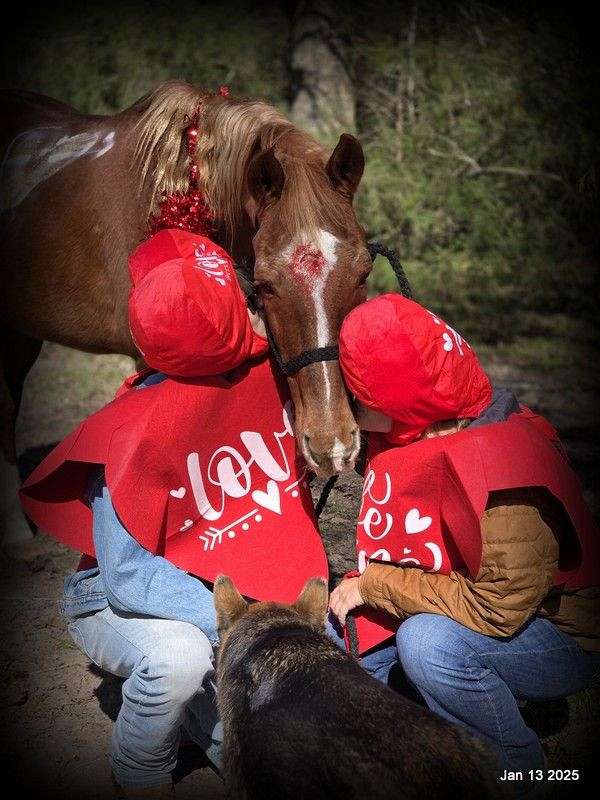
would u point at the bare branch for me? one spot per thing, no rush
(474, 168)
(524, 173)
(479, 35)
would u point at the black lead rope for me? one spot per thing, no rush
(324, 496)
(352, 635)
(376, 248)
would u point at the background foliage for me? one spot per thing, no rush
(478, 122)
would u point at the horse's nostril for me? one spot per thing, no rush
(306, 448)
(354, 449)
(315, 458)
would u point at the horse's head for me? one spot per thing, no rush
(277, 195)
(310, 269)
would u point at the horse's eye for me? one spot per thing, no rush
(263, 289)
(362, 281)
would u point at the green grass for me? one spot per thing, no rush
(559, 347)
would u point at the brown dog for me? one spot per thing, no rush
(303, 721)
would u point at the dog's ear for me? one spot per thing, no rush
(229, 603)
(313, 601)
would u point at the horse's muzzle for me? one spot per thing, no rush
(334, 460)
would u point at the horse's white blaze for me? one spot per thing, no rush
(326, 382)
(312, 270)
(327, 245)
(37, 154)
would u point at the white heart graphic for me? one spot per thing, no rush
(187, 524)
(415, 523)
(178, 493)
(270, 499)
(448, 344)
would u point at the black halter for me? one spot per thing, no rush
(294, 365)
(331, 352)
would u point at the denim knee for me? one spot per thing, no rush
(180, 664)
(428, 644)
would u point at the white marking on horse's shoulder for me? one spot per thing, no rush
(35, 155)
(106, 144)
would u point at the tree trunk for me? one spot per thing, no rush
(399, 110)
(410, 78)
(322, 94)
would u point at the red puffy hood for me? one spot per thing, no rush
(405, 361)
(187, 313)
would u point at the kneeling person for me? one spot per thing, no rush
(473, 535)
(178, 479)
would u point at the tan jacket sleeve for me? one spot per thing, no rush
(519, 558)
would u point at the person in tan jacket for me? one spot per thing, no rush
(473, 537)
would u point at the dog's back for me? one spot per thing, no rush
(303, 721)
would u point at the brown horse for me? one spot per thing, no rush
(76, 196)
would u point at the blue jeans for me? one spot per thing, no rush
(169, 683)
(378, 662)
(477, 681)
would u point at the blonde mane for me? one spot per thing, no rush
(230, 133)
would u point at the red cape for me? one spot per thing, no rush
(422, 504)
(202, 471)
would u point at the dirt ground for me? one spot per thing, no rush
(58, 711)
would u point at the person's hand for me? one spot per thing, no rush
(258, 324)
(344, 598)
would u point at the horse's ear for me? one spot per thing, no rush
(229, 603)
(265, 177)
(346, 164)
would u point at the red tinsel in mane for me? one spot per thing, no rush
(188, 211)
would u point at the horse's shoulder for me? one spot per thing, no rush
(21, 110)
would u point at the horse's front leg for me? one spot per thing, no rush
(18, 353)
